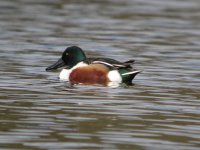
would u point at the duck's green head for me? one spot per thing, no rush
(70, 57)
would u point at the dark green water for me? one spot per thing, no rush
(160, 112)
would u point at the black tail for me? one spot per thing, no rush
(129, 76)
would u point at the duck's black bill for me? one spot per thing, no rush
(60, 63)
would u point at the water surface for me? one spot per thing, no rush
(160, 111)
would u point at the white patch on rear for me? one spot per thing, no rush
(114, 76)
(65, 73)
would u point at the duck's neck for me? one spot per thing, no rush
(76, 59)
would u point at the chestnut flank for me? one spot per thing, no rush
(92, 74)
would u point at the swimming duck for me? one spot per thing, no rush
(79, 69)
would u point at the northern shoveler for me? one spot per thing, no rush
(79, 69)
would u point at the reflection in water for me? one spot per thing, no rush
(161, 110)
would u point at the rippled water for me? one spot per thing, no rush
(161, 110)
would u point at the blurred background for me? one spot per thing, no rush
(160, 111)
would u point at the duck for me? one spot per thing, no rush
(78, 69)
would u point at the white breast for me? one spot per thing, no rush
(64, 74)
